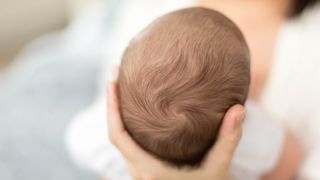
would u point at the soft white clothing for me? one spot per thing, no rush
(292, 94)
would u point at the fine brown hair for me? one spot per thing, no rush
(177, 79)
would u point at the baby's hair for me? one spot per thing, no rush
(177, 79)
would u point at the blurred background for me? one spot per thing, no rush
(52, 68)
(22, 21)
(44, 82)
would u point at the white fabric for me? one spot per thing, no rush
(87, 140)
(292, 94)
(257, 153)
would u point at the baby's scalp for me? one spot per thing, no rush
(177, 80)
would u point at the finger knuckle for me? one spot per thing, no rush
(235, 137)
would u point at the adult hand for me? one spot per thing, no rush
(142, 165)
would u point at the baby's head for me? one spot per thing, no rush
(177, 79)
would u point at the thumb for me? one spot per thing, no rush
(229, 136)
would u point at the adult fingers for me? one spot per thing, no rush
(116, 70)
(115, 126)
(134, 174)
(228, 138)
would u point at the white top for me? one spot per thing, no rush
(292, 94)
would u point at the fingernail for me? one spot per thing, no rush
(241, 117)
